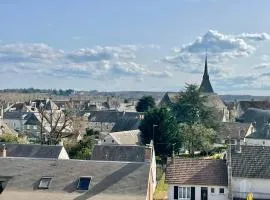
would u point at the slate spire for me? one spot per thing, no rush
(206, 86)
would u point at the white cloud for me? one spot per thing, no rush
(220, 48)
(262, 66)
(254, 36)
(97, 62)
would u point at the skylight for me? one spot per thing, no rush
(84, 183)
(44, 182)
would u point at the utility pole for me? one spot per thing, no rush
(229, 167)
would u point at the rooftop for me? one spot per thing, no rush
(197, 172)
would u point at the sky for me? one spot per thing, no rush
(135, 45)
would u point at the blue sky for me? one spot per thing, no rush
(135, 45)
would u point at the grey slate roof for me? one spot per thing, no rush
(206, 86)
(32, 150)
(111, 116)
(115, 179)
(245, 105)
(233, 129)
(16, 115)
(131, 153)
(197, 172)
(262, 133)
(126, 124)
(252, 162)
(256, 115)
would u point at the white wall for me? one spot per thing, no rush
(15, 123)
(63, 154)
(211, 196)
(259, 187)
(257, 142)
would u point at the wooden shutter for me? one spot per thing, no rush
(175, 192)
(192, 193)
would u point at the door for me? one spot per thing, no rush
(204, 193)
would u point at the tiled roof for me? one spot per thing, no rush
(32, 150)
(108, 178)
(131, 153)
(233, 129)
(252, 162)
(197, 172)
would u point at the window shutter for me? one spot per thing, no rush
(175, 192)
(192, 193)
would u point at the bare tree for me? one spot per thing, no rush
(55, 125)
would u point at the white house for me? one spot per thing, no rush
(197, 179)
(251, 171)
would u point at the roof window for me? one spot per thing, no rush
(84, 183)
(45, 182)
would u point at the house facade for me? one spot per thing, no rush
(197, 179)
(250, 171)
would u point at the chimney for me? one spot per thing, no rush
(172, 158)
(3, 151)
(147, 153)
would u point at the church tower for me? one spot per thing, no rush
(206, 86)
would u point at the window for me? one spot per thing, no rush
(212, 190)
(1, 186)
(184, 193)
(221, 190)
(44, 182)
(84, 183)
(112, 141)
(35, 127)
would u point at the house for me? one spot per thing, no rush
(104, 121)
(35, 151)
(250, 171)
(129, 153)
(123, 138)
(16, 119)
(212, 99)
(197, 179)
(259, 137)
(234, 130)
(47, 179)
(256, 116)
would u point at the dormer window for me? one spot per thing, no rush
(44, 182)
(84, 183)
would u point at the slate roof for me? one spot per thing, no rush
(206, 86)
(256, 115)
(16, 115)
(252, 162)
(245, 105)
(233, 129)
(32, 150)
(18, 106)
(111, 116)
(127, 137)
(126, 124)
(197, 172)
(131, 153)
(120, 180)
(262, 133)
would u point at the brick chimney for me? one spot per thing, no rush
(3, 151)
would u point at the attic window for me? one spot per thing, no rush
(84, 183)
(44, 182)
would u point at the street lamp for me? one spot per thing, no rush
(154, 125)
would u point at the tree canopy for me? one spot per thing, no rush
(160, 125)
(145, 103)
(191, 108)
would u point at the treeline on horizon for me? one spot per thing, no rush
(59, 92)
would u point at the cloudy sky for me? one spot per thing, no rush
(135, 45)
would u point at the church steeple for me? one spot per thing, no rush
(206, 86)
